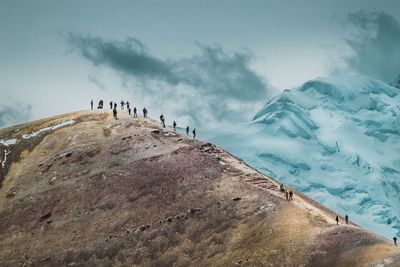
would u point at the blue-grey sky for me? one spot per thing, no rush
(199, 62)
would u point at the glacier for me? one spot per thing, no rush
(336, 139)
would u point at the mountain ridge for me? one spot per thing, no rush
(124, 192)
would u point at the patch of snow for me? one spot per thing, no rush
(3, 163)
(170, 134)
(47, 129)
(274, 252)
(388, 261)
(8, 142)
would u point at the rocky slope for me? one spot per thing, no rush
(85, 189)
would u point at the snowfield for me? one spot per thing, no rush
(8, 142)
(335, 139)
(47, 129)
(4, 161)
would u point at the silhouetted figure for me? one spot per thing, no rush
(122, 104)
(347, 219)
(287, 194)
(111, 105)
(115, 113)
(134, 112)
(395, 240)
(127, 104)
(144, 112)
(162, 119)
(91, 105)
(290, 195)
(174, 125)
(281, 188)
(129, 111)
(187, 130)
(100, 106)
(194, 133)
(115, 105)
(337, 220)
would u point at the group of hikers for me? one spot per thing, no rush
(162, 120)
(288, 193)
(289, 197)
(114, 106)
(346, 218)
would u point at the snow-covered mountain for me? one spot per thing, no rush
(335, 139)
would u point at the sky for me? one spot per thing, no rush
(203, 63)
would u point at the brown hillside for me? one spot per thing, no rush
(105, 192)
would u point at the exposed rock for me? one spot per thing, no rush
(45, 216)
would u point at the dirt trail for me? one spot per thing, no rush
(272, 186)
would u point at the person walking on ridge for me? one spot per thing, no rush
(111, 105)
(174, 125)
(347, 219)
(162, 119)
(395, 240)
(134, 112)
(337, 220)
(194, 133)
(127, 104)
(91, 105)
(122, 104)
(144, 112)
(290, 195)
(129, 111)
(115, 105)
(187, 130)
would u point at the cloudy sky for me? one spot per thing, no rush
(206, 63)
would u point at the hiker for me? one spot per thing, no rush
(187, 130)
(174, 125)
(287, 195)
(347, 219)
(115, 105)
(134, 112)
(395, 240)
(91, 105)
(100, 106)
(281, 188)
(111, 105)
(194, 133)
(162, 119)
(144, 112)
(115, 113)
(129, 111)
(122, 104)
(127, 105)
(291, 195)
(337, 220)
